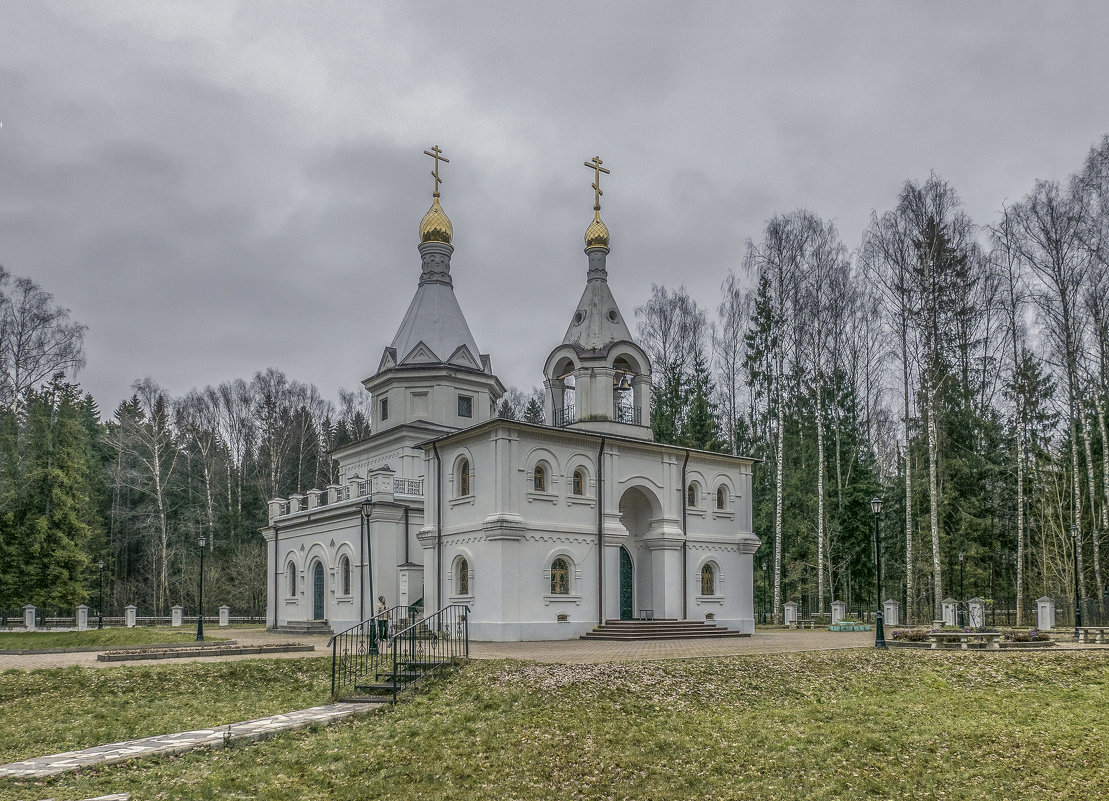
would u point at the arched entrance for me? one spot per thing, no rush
(627, 578)
(317, 592)
(640, 513)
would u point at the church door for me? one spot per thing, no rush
(317, 592)
(625, 584)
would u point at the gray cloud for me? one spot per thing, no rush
(219, 187)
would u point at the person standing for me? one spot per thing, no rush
(382, 618)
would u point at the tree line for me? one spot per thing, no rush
(954, 369)
(134, 491)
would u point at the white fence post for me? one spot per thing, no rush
(177, 614)
(130, 615)
(225, 615)
(1045, 613)
(977, 616)
(892, 612)
(82, 618)
(949, 606)
(29, 617)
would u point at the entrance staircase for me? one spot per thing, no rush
(376, 660)
(659, 630)
(306, 627)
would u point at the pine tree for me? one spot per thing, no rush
(701, 427)
(533, 412)
(505, 410)
(668, 405)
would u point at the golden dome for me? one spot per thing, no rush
(596, 235)
(436, 226)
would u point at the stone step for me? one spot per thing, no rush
(369, 698)
(306, 627)
(405, 675)
(376, 688)
(659, 630)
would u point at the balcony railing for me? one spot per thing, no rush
(627, 414)
(408, 486)
(565, 416)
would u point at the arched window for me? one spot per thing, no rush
(708, 581)
(721, 497)
(579, 482)
(462, 573)
(560, 577)
(540, 478)
(691, 495)
(291, 572)
(344, 573)
(464, 477)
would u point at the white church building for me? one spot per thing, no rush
(542, 531)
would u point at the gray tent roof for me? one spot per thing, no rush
(434, 330)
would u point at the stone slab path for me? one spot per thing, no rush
(215, 737)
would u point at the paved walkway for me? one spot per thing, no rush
(764, 641)
(242, 636)
(183, 741)
(587, 651)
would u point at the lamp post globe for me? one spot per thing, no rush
(201, 541)
(100, 602)
(1077, 601)
(879, 630)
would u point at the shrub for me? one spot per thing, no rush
(910, 635)
(1026, 636)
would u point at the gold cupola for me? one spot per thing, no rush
(596, 235)
(436, 225)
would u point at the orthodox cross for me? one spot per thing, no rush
(595, 165)
(436, 154)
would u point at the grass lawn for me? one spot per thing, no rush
(61, 709)
(819, 725)
(112, 637)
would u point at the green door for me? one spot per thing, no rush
(317, 592)
(625, 584)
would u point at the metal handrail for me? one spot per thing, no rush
(355, 651)
(429, 645)
(402, 656)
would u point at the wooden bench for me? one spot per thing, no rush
(990, 639)
(1094, 634)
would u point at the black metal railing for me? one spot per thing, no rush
(565, 416)
(430, 645)
(372, 659)
(358, 652)
(626, 414)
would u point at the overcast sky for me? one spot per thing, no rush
(215, 188)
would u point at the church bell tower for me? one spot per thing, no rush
(598, 379)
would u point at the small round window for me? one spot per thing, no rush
(579, 317)
(613, 316)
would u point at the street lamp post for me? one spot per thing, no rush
(879, 632)
(100, 603)
(201, 541)
(367, 510)
(1077, 602)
